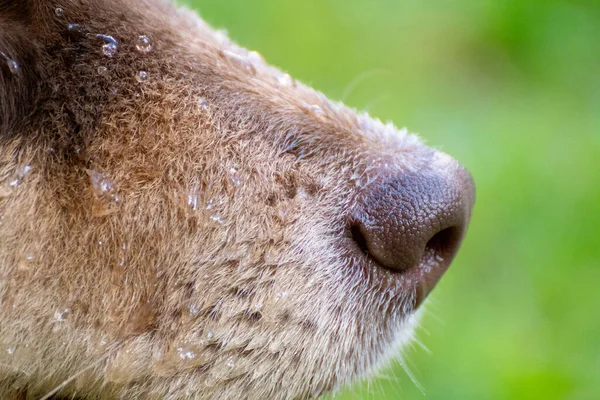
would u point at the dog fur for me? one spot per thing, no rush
(171, 209)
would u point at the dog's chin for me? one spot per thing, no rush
(397, 341)
(405, 335)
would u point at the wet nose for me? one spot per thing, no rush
(416, 218)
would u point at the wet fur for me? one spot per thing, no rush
(179, 237)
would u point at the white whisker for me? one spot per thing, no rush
(359, 79)
(422, 346)
(15, 369)
(62, 385)
(412, 377)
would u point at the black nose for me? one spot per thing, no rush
(416, 218)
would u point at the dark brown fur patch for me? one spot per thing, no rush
(19, 77)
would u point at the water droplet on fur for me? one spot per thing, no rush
(110, 47)
(26, 260)
(316, 110)
(143, 44)
(74, 28)
(186, 353)
(230, 363)
(123, 256)
(24, 170)
(218, 219)
(280, 295)
(286, 80)
(102, 70)
(193, 196)
(30, 256)
(214, 202)
(100, 242)
(158, 355)
(193, 201)
(141, 76)
(235, 176)
(59, 12)
(10, 351)
(61, 314)
(283, 210)
(210, 335)
(20, 175)
(255, 58)
(203, 103)
(302, 194)
(193, 309)
(222, 36)
(105, 191)
(244, 62)
(101, 184)
(13, 66)
(355, 177)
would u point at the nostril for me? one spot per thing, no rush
(444, 243)
(359, 238)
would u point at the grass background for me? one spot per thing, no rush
(511, 88)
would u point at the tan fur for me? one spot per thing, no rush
(178, 237)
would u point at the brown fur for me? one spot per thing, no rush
(178, 237)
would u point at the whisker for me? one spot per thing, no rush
(15, 369)
(412, 377)
(422, 346)
(62, 385)
(359, 79)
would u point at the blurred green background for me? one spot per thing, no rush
(511, 88)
